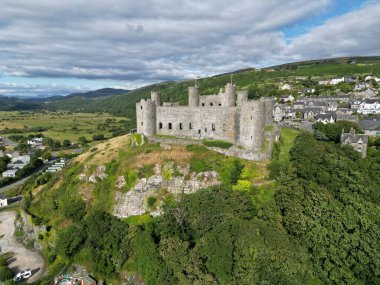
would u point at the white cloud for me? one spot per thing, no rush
(141, 42)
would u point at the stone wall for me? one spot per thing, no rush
(210, 100)
(251, 125)
(198, 122)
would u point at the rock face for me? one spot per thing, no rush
(98, 174)
(134, 201)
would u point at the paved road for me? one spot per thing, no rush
(23, 258)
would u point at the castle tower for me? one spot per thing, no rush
(252, 120)
(242, 96)
(269, 102)
(156, 97)
(229, 96)
(193, 93)
(146, 116)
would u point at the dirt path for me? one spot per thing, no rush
(23, 258)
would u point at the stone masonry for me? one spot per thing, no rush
(228, 116)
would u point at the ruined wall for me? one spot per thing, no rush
(242, 96)
(229, 95)
(156, 97)
(198, 122)
(146, 117)
(210, 100)
(251, 124)
(269, 102)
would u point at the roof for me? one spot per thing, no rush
(325, 116)
(353, 138)
(370, 125)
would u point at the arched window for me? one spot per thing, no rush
(141, 107)
(170, 126)
(180, 126)
(213, 127)
(190, 126)
(211, 104)
(160, 126)
(203, 104)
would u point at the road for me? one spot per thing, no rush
(23, 258)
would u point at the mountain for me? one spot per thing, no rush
(104, 92)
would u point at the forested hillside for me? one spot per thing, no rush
(317, 224)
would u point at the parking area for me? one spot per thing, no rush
(23, 258)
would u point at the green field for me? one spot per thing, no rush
(60, 125)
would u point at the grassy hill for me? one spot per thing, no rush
(259, 82)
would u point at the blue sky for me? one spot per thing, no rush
(57, 47)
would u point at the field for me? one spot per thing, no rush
(60, 125)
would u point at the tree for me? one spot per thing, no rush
(66, 143)
(98, 137)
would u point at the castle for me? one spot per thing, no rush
(227, 116)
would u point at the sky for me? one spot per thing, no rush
(52, 48)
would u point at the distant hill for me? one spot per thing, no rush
(122, 102)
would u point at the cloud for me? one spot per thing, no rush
(141, 42)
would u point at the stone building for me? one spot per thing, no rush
(228, 116)
(357, 141)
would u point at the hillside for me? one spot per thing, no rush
(116, 209)
(262, 82)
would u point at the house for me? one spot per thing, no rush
(286, 87)
(299, 105)
(357, 141)
(19, 162)
(13, 154)
(336, 80)
(346, 117)
(10, 173)
(361, 86)
(326, 118)
(35, 142)
(371, 127)
(369, 106)
(368, 93)
(3, 201)
(286, 98)
(309, 113)
(350, 79)
(324, 82)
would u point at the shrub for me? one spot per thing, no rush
(218, 143)
(151, 201)
(5, 273)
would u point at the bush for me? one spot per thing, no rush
(217, 143)
(5, 273)
(151, 201)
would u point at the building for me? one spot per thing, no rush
(369, 106)
(324, 82)
(3, 201)
(286, 87)
(286, 98)
(346, 117)
(227, 116)
(11, 173)
(336, 80)
(326, 118)
(370, 126)
(35, 142)
(357, 141)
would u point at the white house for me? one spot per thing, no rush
(324, 82)
(286, 87)
(325, 118)
(10, 173)
(369, 106)
(336, 80)
(35, 142)
(3, 201)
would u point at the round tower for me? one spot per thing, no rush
(156, 97)
(229, 98)
(242, 96)
(146, 117)
(258, 118)
(193, 92)
(269, 102)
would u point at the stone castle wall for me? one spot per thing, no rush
(198, 122)
(227, 116)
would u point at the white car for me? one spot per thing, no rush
(22, 275)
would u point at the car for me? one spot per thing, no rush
(22, 275)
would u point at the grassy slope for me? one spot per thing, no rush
(177, 91)
(60, 124)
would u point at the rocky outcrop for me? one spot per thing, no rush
(134, 201)
(98, 174)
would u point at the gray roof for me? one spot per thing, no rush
(325, 116)
(353, 137)
(370, 125)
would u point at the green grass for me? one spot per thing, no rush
(138, 220)
(60, 125)
(217, 143)
(287, 139)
